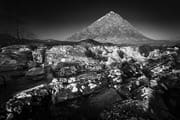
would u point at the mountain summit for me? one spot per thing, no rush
(111, 28)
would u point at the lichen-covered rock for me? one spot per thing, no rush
(65, 53)
(73, 87)
(66, 69)
(143, 106)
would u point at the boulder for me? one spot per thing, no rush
(35, 73)
(66, 69)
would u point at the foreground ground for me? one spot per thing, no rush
(89, 81)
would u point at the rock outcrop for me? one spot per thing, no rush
(99, 82)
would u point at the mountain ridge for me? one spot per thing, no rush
(110, 28)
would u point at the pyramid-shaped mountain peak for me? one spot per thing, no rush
(111, 28)
(112, 14)
(111, 17)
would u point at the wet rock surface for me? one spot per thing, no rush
(94, 82)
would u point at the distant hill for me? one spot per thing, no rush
(6, 39)
(111, 28)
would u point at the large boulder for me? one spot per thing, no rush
(7, 63)
(15, 57)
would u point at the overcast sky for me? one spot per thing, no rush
(59, 19)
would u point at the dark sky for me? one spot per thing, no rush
(58, 19)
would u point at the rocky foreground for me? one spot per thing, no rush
(87, 82)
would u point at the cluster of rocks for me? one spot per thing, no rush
(98, 82)
(14, 57)
(20, 60)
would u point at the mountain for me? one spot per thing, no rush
(111, 28)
